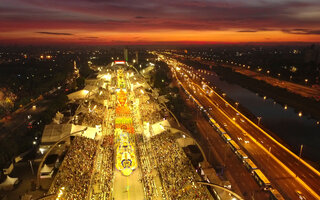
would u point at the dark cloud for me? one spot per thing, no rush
(126, 15)
(302, 31)
(138, 16)
(91, 37)
(247, 31)
(53, 33)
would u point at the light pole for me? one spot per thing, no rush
(259, 118)
(269, 152)
(237, 104)
(301, 147)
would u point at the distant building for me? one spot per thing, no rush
(125, 52)
(137, 57)
(312, 54)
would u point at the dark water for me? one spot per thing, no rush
(294, 130)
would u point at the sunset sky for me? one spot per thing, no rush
(158, 21)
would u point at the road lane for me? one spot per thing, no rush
(264, 138)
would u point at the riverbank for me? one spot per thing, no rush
(307, 157)
(308, 106)
(282, 96)
(288, 129)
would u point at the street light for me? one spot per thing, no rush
(237, 104)
(259, 118)
(301, 147)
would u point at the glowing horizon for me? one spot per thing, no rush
(123, 22)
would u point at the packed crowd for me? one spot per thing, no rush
(75, 172)
(152, 115)
(93, 114)
(103, 178)
(146, 169)
(108, 164)
(178, 177)
(92, 119)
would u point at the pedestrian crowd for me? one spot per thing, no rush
(103, 178)
(175, 169)
(75, 172)
(147, 169)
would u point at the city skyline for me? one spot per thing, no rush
(158, 22)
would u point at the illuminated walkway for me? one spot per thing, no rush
(128, 187)
(127, 174)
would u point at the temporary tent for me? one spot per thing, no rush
(46, 171)
(9, 183)
(54, 132)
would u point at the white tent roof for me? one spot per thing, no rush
(54, 132)
(46, 169)
(89, 133)
(160, 127)
(8, 183)
(81, 94)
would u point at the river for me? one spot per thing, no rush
(285, 123)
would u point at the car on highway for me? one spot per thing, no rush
(300, 195)
(30, 124)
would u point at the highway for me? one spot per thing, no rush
(303, 90)
(292, 87)
(285, 170)
(240, 178)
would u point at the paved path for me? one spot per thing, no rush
(128, 187)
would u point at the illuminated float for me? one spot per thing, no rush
(125, 153)
(125, 145)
